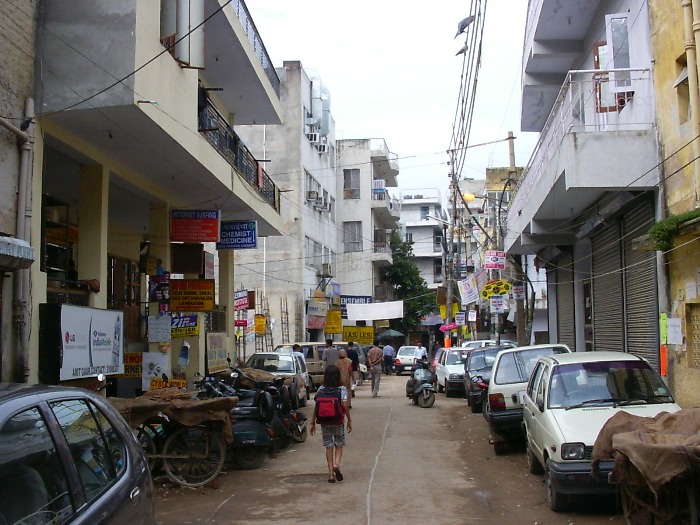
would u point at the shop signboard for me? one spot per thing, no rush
(195, 225)
(345, 300)
(184, 326)
(334, 322)
(362, 335)
(240, 300)
(495, 260)
(216, 352)
(187, 295)
(92, 342)
(238, 235)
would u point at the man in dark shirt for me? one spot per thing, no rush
(355, 358)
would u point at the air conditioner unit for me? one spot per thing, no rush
(322, 148)
(311, 195)
(327, 205)
(313, 137)
(318, 203)
(311, 121)
(327, 270)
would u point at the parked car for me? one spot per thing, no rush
(436, 358)
(313, 355)
(450, 370)
(286, 365)
(505, 343)
(405, 358)
(67, 456)
(504, 407)
(568, 399)
(477, 373)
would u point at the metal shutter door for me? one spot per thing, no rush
(565, 302)
(641, 299)
(608, 325)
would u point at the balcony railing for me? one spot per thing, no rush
(591, 101)
(251, 31)
(381, 247)
(213, 126)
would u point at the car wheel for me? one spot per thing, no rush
(475, 406)
(556, 501)
(304, 398)
(533, 464)
(440, 388)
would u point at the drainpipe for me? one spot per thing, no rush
(22, 229)
(691, 15)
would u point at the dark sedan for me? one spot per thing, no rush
(67, 456)
(477, 373)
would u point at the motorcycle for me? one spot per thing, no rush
(419, 387)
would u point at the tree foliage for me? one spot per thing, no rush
(408, 285)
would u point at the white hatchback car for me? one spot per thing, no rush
(568, 399)
(450, 370)
(511, 371)
(406, 358)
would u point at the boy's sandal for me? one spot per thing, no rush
(338, 474)
(331, 479)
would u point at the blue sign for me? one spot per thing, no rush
(352, 299)
(238, 235)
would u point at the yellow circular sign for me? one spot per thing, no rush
(496, 287)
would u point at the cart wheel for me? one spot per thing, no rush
(633, 507)
(194, 456)
(148, 437)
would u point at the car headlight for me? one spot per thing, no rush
(456, 377)
(573, 451)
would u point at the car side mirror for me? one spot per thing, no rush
(540, 405)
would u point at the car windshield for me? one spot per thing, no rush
(604, 383)
(271, 363)
(407, 350)
(516, 367)
(483, 359)
(455, 357)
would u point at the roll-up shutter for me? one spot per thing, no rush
(565, 302)
(641, 299)
(608, 302)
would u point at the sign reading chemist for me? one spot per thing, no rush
(238, 235)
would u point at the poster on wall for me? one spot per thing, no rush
(155, 364)
(216, 352)
(92, 342)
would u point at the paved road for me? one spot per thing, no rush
(403, 464)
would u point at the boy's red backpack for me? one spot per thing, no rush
(328, 409)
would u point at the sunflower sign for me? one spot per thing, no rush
(495, 287)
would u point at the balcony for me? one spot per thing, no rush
(385, 165)
(381, 248)
(598, 138)
(221, 136)
(385, 208)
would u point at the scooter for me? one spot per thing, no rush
(419, 387)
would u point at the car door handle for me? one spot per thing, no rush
(135, 496)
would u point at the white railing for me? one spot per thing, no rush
(590, 100)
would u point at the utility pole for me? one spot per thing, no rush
(449, 274)
(519, 275)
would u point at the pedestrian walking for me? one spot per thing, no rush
(375, 357)
(345, 366)
(421, 352)
(330, 353)
(355, 358)
(330, 410)
(388, 353)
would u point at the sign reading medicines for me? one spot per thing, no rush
(238, 235)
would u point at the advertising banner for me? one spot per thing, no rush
(461, 318)
(495, 260)
(132, 364)
(316, 307)
(216, 352)
(191, 295)
(519, 291)
(92, 342)
(352, 299)
(184, 326)
(155, 364)
(238, 235)
(240, 300)
(195, 225)
(497, 306)
(316, 322)
(260, 324)
(362, 335)
(468, 290)
(334, 322)
(159, 328)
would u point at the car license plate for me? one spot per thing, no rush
(521, 397)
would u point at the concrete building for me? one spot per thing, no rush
(134, 155)
(17, 130)
(589, 190)
(674, 38)
(425, 224)
(302, 264)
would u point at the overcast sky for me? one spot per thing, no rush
(392, 73)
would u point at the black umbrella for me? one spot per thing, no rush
(390, 333)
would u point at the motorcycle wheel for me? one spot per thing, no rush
(285, 401)
(248, 457)
(425, 401)
(294, 396)
(299, 436)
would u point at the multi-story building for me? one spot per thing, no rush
(424, 223)
(301, 265)
(674, 42)
(16, 146)
(588, 192)
(367, 215)
(135, 150)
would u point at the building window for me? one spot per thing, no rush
(409, 237)
(618, 39)
(682, 90)
(351, 184)
(352, 236)
(437, 271)
(317, 255)
(424, 212)
(308, 252)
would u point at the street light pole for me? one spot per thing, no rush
(449, 274)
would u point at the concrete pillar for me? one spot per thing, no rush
(159, 232)
(92, 224)
(226, 291)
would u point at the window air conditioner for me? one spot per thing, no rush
(318, 203)
(327, 270)
(313, 137)
(322, 148)
(311, 195)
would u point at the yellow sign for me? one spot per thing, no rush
(132, 364)
(187, 295)
(259, 324)
(157, 383)
(496, 287)
(334, 322)
(363, 335)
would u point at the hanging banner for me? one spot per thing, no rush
(471, 316)
(496, 287)
(461, 318)
(260, 324)
(519, 291)
(495, 260)
(468, 290)
(497, 304)
(195, 225)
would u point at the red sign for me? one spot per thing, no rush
(240, 322)
(495, 260)
(195, 225)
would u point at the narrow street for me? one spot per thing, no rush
(402, 464)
